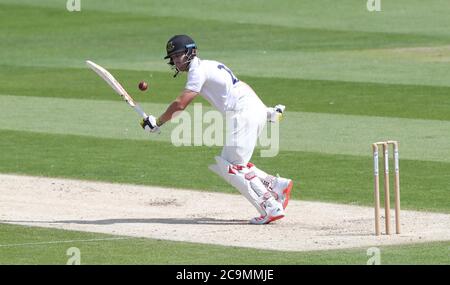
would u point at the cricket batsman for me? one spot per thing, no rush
(246, 116)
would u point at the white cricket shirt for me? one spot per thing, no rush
(215, 82)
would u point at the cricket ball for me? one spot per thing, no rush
(143, 85)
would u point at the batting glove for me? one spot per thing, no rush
(275, 114)
(149, 124)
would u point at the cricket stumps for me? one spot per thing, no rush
(387, 204)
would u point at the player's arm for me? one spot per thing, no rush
(152, 124)
(177, 105)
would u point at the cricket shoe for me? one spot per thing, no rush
(274, 212)
(281, 190)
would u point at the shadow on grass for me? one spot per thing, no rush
(191, 221)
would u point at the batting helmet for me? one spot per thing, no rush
(179, 43)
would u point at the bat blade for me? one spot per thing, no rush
(116, 86)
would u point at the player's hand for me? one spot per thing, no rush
(149, 124)
(275, 114)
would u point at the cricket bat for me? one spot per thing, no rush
(103, 73)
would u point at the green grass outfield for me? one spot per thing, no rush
(348, 78)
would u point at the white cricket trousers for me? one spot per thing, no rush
(244, 124)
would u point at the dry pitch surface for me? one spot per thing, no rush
(202, 217)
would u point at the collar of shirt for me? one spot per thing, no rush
(194, 63)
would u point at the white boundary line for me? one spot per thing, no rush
(62, 241)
